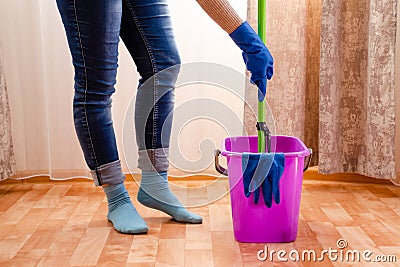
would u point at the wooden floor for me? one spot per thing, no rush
(64, 224)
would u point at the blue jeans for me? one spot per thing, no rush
(93, 29)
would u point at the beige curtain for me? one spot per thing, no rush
(286, 39)
(7, 161)
(357, 122)
(334, 80)
(293, 38)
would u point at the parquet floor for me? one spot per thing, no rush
(64, 224)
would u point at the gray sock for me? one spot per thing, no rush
(155, 193)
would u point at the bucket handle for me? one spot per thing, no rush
(224, 171)
(218, 167)
(308, 160)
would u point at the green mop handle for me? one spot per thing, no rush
(262, 9)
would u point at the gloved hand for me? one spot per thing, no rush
(256, 56)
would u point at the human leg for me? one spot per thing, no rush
(147, 33)
(92, 28)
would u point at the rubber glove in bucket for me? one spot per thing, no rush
(262, 172)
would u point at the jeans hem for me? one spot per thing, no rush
(154, 160)
(109, 174)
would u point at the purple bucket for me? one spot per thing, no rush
(256, 222)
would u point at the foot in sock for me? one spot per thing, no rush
(155, 193)
(121, 211)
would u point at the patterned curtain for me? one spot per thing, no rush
(293, 29)
(7, 161)
(357, 122)
(334, 80)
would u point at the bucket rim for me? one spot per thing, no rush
(304, 153)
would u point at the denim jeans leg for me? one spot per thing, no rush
(92, 28)
(146, 30)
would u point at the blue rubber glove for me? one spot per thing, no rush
(270, 186)
(256, 56)
(262, 173)
(255, 169)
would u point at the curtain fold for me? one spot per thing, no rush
(312, 73)
(288, 39)
(285, 92)
(7, 160)
(334, 81)
(357, 108)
